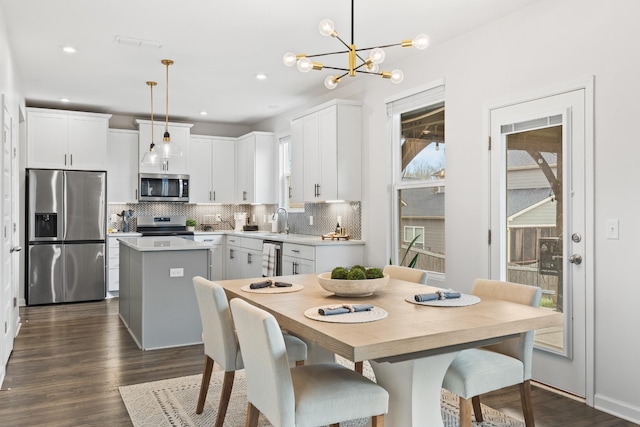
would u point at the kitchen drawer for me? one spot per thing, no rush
(114, 263)
(233, 241)
(114, 279)
(249, 243)
(113, 242)
(114, 252)
(211, 239)
(299, 251)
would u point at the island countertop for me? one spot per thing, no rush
(162, 243)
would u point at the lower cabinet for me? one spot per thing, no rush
(216, 241)
(113, 274)
(243, 257)
(304, 259)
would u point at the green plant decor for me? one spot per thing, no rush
(191, 223)
(414, 260)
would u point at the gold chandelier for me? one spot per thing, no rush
(357, 64)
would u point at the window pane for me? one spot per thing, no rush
(422, 144)
(421, 212)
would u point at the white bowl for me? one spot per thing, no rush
(351, 288)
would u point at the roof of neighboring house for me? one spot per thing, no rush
(517, 158)
(423, 202)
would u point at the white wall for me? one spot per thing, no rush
(546, 46)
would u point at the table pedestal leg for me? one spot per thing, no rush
(414, 390)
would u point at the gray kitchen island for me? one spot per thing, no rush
(157, 301)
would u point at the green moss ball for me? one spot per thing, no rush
(358, 267)
(339, 273)
(356, 274)
(374, 273)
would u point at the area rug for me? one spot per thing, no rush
(172, 403)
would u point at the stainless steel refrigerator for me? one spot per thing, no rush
(66, 229)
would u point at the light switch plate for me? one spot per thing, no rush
(310, 219)
(613, 229)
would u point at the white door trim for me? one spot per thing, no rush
(588, 85)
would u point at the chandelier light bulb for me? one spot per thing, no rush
(421, 41)
(289, 59)
(331, 82)
(397, 76)
(372, 67)
(305, 65)
(326, 27)
(377, 55)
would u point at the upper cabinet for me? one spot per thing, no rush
(179, 135)
(59, 139)
(211, 168)
(122, 166)
(326, 151)
(255, 160)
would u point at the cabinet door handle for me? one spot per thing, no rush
(65, 160)
(231, 254)
(214, 196)
(249, 259)
(295, 250)
(135, 192)
(71, 157)
(289, 191)
(210, 194)
(244, 195)
(295, 268)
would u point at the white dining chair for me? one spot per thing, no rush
(221, 344)
(406, 273)
(304, 396)
(481, 370)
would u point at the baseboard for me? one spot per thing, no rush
(617, 408)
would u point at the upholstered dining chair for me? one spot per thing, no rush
(309, 395)
(406, 273)
(221, 344)
(481, 370)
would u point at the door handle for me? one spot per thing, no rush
(575, 259)
(15, 249)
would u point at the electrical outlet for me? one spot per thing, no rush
(176, 272)
(218, 217)
(310, 219)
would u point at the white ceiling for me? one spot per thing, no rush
(218, 48)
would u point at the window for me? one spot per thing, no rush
(418, 154)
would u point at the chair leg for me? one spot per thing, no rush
(527, 406)
(377, 421)
(299, 362)
(465, 412)
(477, 408)
(204, 386)
(358, 367)
(225, 396)
(252, 415)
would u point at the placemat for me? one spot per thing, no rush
(273, 290)
(464, 300)
(376, 313)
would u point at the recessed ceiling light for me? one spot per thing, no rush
(261, 76)
(68, 49)
(273, 107)
(203, 113)
(65, 100)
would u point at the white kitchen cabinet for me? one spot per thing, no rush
(255, 162)
(305, 259)
(180, 133)
(216, 241)
(328, 140)
(244, 257)
(211, 166)
(122, 166)
(113, 272)
(59, 139)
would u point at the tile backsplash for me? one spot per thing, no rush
(325, 216)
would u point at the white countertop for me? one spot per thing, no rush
(164, 243)
(303, 239)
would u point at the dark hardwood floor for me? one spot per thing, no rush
(69, 360)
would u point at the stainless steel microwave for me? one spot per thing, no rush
(158, 187)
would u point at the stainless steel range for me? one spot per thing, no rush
(164, 226)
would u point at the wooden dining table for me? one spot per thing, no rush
(410, 349)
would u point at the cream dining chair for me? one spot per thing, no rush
(481, 370)
(406, 273)
(304, 396)
(221, 344)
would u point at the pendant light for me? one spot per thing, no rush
(151, 157)
(169, 149)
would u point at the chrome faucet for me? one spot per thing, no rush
(286, 219)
